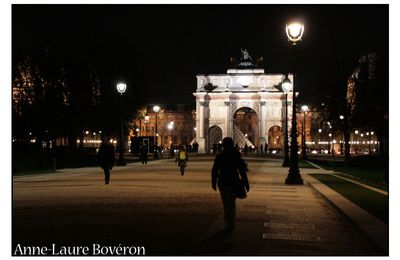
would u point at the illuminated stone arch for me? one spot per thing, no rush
(275, 138)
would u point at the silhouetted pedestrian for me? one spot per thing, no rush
(261, 149)
(171, 152)
(195, 147)
(214, 148)
(246, 149)
(106, 157)
(228, 165)
(144, 154)
(182, 159)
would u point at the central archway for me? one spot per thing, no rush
(246, 127)
(214, 137)
(275, 139)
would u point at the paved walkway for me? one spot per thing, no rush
(284, 220)
(279, 219)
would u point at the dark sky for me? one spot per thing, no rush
(174, 43)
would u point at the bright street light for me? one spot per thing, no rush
(294, 32)
(287, 86)
(121, 87)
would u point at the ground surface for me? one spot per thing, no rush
(169, 214)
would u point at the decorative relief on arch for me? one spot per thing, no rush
(256, 107)
(232, 109)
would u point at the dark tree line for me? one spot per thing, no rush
(67, 89)
(359, 92)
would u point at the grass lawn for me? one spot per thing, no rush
(373, 202)
(304, 164)
(373, 176)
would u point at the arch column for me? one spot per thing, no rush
(262, 122)
(201, 131)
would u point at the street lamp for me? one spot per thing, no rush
(170, 128)
(286, 87)
(303, 139)
(156, 109)
(146, 121)
(294, 33)
(121, 87)
(356, 132)
(341, 117)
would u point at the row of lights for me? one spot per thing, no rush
(95, 141)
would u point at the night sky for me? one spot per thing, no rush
(168, 45)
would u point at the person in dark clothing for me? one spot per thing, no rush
(246, 149)
(106, 158)
(214, 148)
(261, 149)
(228, 165)
(195, 147)
(143, 154)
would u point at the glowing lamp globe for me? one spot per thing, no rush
(121, 87)
(294, 32)
(287, 85)
(156, 109)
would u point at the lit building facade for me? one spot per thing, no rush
(222, 100)
(175, 125)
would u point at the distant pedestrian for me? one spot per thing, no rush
(144, 154)
(171, 152)
(182, 159)
(106, 157)
(214, 148)
(261, 149)
(195, 147)
(228, 165)
(246, 149)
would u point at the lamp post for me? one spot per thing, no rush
(341, 117)
(170, 128)
(287, 87)
(121, 87)
(294, 33)
(356, 142)
(303, 138)
(146, 122)
(156, 109)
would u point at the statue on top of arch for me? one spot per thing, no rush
(245, 61)
(245, 55)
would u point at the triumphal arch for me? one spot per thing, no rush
(246, 104)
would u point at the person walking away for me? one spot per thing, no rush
(182, 158)
(261, 149)
(106, 157)
(228, 165)
(144, 154)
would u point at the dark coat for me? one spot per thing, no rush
(106, 156)
(228, 165)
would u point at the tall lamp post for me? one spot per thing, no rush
(121, 87)
(303, 138)
(146, 122)
(342, 142)
(156, 109)
(294, 33)
(287, 87)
